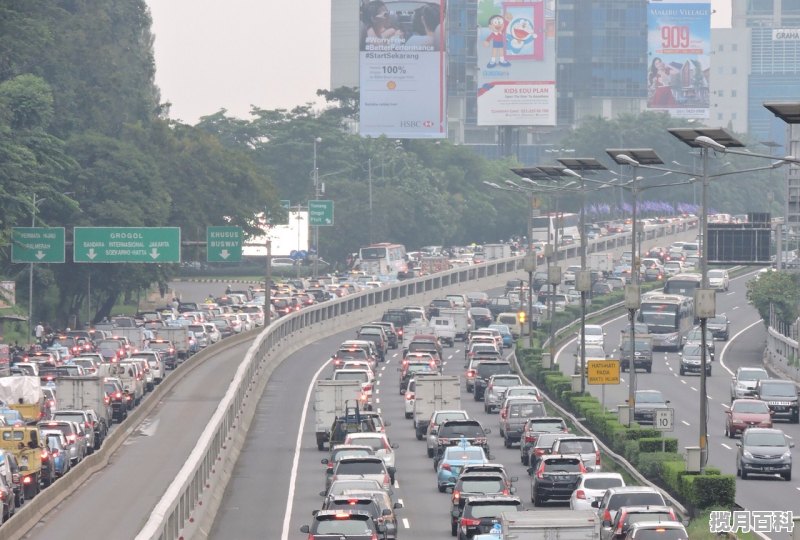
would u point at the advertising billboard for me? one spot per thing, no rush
(678, 53)
(516, 63)
(402, 69)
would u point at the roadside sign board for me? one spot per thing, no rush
(320, 213)
(126, 245)
(664, 419)
(37, 245)
(602, 371)
(223, 244)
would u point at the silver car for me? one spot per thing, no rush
(85, 421)
(496, 388)
(437, 419)
(76, 445)
(744, 382)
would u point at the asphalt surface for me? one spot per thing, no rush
(744, 348)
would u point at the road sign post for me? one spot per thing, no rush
(664, 419)
(320, 213)
(37, 245)
(602, 371)
(127, 245)
(223, 244)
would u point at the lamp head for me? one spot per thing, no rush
(708, 142)
(570, 172)
(628, 160)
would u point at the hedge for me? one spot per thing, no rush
(658, 444)
(650, 463)
(706, 490)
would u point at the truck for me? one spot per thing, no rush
(462, 318)
(496, 251)
(549, 525)
(80, 393)
(24, 394)
(330, 400)
(444, 328)
(179, 336)
(434, 393)
(601, 262)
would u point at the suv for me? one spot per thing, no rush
(343, 526)
(473, 484)
(452, 432)
(694, 337)
(628, 515)
(83, 418)
(496, 388)
(484, 371)
(514, 414)
(555, 478)
(643, 353)
(585, 447)
(647, 401)
(781, 396)
(764, 451)
(391, 333)
(719, 326)
(437, 418)
(617, 497)
(536, 426)
(743, 384)
(480, 514)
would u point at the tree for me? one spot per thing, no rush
(781, 289)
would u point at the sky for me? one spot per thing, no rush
(234, 54)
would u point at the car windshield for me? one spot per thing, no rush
(343, 527)
(516, 392)
(562, 465)
(576, 447)
(602, 482)
(661, 534)
(54, 442)
(752, 407)
(461, 430)
(70, 417)
(752, 375)
(350, 376)
(506, 381)
(764, 439)
(376, 443)
(649, 397)
(460, 454)
(641, 345)
(595, 352)
(491, 510)
(716, 273)
(635, 499)
(486, 369)
(483, 485)
(547, 426)
(360, 467)
(337, 488)
(779, 389)
(692, 351)
(526, 410)
(590, 331)
(647, 516)
(444, 417)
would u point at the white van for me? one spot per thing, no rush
(512, 320)
(132, 379)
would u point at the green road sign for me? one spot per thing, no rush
(37, 245)
(320, 213)
(223, 244)
(127, 245)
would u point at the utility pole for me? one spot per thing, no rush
(317, 140)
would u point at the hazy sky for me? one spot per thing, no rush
(231, 54)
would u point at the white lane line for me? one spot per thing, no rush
(377, 400)
(379, 410)
(396, 485)
(728, 294)
(734, 307)
(670, 367)
(405, 523)
(377, 391)
(444, 363)
(731, 340)
(400, 501)
(725, 406)
(394, 355)
(378, 382)
(684, 382)
(709, 397)
(788, 436)
(451, 356)
(287, 517)
(457, 351)
(693, 388)
(725, 445)
(685, 423)
(622, 380)
(383, 367)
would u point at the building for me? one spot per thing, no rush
(730, 70)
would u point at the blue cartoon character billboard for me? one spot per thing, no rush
(524, 35)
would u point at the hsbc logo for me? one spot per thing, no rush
(416, 123)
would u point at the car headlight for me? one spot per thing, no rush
(747, 454)
(787, 455)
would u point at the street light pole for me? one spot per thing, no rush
(30, 272)
(369, 178)
(267, 284)
(318, 140)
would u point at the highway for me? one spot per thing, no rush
(744, 348)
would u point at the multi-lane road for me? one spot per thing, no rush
(744, 348)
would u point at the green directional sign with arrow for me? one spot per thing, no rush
(224, 244)
(320, 213)
(127, 245)
(37, 245)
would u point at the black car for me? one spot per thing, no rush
(391, 332)
(642, 354)
(119, 405)
(764, 451)
(343, 425)
(501, 304)
(452, 432)
(481, 316)
(781, 396)
(647, 401)
(343, 526)
(719, 327)
(478, 484)
(555, 478)
(480, 514)
(484, 372)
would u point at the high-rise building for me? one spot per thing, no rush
(728, 81)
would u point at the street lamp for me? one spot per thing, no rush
(317, 140)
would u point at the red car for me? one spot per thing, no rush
(745, 413)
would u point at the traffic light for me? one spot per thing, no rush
(521, 316)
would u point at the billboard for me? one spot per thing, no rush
(516, 63)
(402, 69)
(678, 58)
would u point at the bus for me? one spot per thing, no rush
(669, 317)
(386, 260)
(683, 284)
(567, 224)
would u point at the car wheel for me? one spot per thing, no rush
(796, 418)
(453, 528)
(408, 416)
(787, 476)
(442, 489)
(744, 474)
(728, 432)
(523, 457)
(475, 396)
(682, 372)
(536, 500)
(649, 369)
(430, 452)
(507, 442)
(708, 373)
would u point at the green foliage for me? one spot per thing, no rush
(631, 452)
(658, 444)
(782, 289)
(651, 464)
(671, 472)
(707, 490)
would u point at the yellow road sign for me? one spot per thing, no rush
(602, 371)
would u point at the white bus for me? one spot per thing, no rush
(669, 317)
(683, 284)
(566, 224)
(384, 260)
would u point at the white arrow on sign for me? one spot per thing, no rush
(40, 254)
(224, 254)
(154, 253)
(91, 254)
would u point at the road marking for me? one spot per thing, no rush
(685, 423)
(444, 363)
(709, 397)
(379, 410)
(731, 340)
(728, 294)
(670, 368)
(725, 405)
(735, 307)
(457, 351)
(400, 501)
(377, 391)
(405, 523)
(287, 517)
(726, 446)
(450, 357)
(377, 400)
(788, 436)
(394, 355)
(693, 388)
(379, 381)
(396, 485)
(684, 382)
(383, 367)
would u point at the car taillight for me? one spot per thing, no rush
(330, 466)
(26, 480)
(106, 400)
(469, 522)
(502, 413)
(118, 395)
(15, 478)
(45, 455)
(387, 479)
(471, 374)
(597, 458)
(540, 471)
(480, 440)
(456, 496)
(580, 494)
(409, 396)
(88, 425)
(55, 452)
(71, 438)
(446, 467)
(367, 387)
(606, 515)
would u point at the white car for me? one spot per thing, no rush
(592, 487)
(247, 321)
(719, 280)
(379, 442)
(594, 335)
(213, 332)
(672, 268)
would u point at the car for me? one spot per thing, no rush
(628, 515)
(555, 478)
(341, 525)
(673, 267)
(719, 327)
(645, 405)
(534, 427)
(617, 497)
(692, 360)
(282, 262)
(595, 335)
(484, 372)
(9, 506)
(391, 332)
(415, 368)
(59, 451)
(782, 398)
(364, 467)
(585, 447)
(593, 352)
(438, 418)
(745, 413)
(496, 386)
(743, 383)
(521, 391)
(471, 484)
(659, 530)
(365, 502)
(84, 420)
(694, 337)
(453, 432)
(379, 442)
(481, 514)
(454, 459)
(514, 414)
(764, 451)
(591, 487)
(341, 451)
(505, 333)
(719, 280)
(481, 316)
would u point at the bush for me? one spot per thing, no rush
(658, 444)
(638, 432)
(631, 452)
(671, 472)
(706, 490)
(651, 463)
